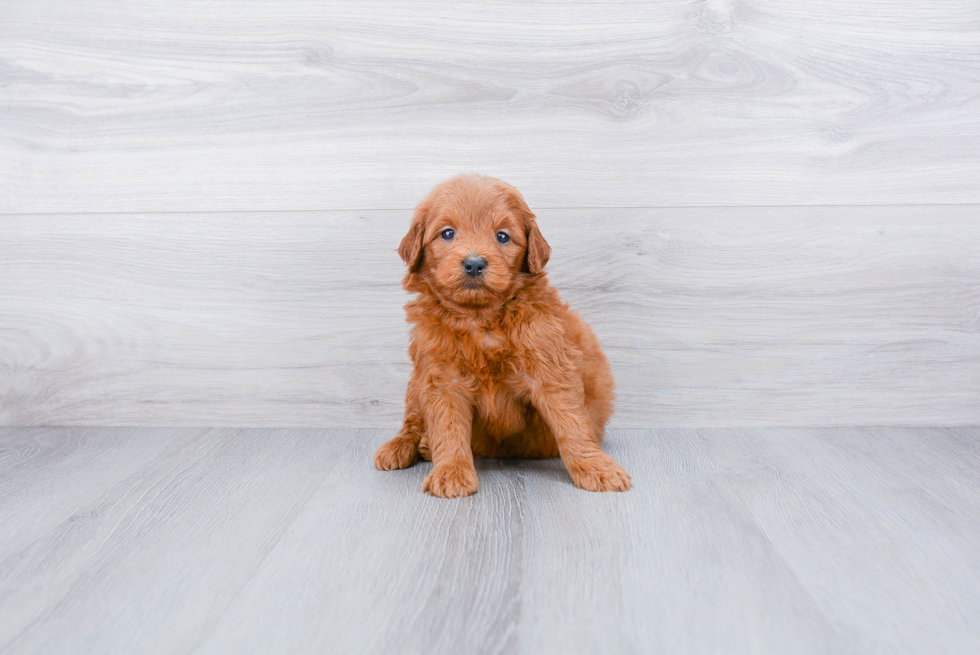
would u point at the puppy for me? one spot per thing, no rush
(501, 367)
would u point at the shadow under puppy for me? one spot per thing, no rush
(501, 367)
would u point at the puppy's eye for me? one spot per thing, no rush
(502, 237)
(448, 234)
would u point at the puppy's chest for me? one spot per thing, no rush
(488, 353)
(493, 367)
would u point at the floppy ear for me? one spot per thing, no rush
(538, 250)
(411, 246)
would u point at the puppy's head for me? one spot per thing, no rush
(472, 239)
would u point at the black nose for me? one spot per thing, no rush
(474, 265)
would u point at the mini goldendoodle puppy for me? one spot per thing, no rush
(502, 368)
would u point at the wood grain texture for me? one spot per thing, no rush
(257, 541)
(710, 316)
(205, 105)
(879, 496)
(188, 522)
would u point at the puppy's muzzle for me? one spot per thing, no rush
(474, 266)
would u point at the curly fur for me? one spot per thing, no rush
(501, 367)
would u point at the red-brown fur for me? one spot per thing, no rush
(502, 368)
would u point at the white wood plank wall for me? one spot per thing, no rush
(767, 210)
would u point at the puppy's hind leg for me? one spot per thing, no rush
(402, 451)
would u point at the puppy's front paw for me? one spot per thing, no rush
(395, 454)
(453, 480)
(599, 473)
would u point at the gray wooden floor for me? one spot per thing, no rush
(127, 540)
